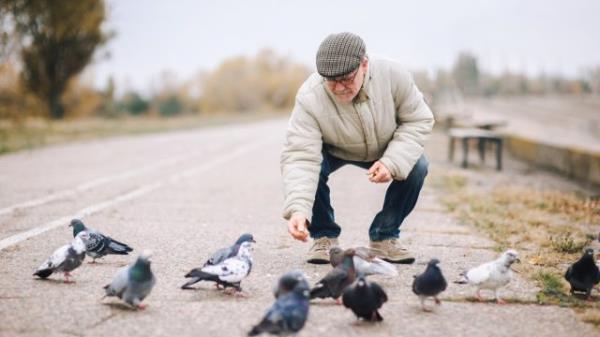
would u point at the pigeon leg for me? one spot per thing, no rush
(93, 261)
(338, 301)
(142, 306)
(423, 307)
(498, 299)
(478, 294)
(588, 295)
(67, 275)
(437, 300)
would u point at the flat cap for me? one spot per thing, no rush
(340, 54)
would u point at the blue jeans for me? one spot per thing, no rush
(400, 199)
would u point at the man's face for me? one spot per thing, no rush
(345, 88)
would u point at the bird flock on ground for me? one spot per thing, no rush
(346, 283)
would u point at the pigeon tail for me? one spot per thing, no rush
(118, 248)
(319, 291)
(376, 317)
(190, 282)
(463, 278)
(43, 273)
(202, 276)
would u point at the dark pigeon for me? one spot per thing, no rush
(334, 283)
(228, 273)
(429, 284)
(65, 259)
(583, 274)
(288, 314)
(99, 245)
(133, 283)
(219, 256)
(364, 299)
(365, 260)
(288, 281)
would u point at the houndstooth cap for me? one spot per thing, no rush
(340, 54)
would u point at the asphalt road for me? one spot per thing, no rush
(185, 194)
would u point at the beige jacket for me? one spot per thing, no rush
(388, 121)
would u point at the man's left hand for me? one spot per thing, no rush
(378, 173)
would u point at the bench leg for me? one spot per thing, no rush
(451, 149)
(465, 144)
(499, 154)
(481, 147)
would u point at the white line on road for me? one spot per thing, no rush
(91, 184)
(138, 192)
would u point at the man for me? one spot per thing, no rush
(361, 111)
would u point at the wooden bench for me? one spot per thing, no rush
(481, 137)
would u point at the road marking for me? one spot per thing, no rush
(91, 184)
(138, 192)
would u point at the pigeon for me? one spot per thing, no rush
(429, 284)
(333, 284)
(492, 275)
(65, 259)
(290, 310)
(364, 299)
(133, 283)
(228, 273)
(365, 262)
(583, 274)
(221, 255)
(288, 281)
(99, 245)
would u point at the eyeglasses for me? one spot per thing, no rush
(343, 80)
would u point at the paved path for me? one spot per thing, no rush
(185, 194)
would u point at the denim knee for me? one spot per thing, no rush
(420, 170)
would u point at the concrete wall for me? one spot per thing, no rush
(573, 162)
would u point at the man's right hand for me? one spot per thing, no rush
(297, 227)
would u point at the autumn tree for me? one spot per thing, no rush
(57, 39)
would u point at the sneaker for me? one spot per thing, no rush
(391, 251)
(319, 252)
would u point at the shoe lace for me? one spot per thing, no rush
(321, 244)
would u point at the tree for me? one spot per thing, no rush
(466, 73)
(57, 41)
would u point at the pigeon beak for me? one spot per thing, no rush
(253, 241)
(518, 260)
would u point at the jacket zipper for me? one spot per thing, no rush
(362, 127)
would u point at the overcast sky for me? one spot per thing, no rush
(186, 36)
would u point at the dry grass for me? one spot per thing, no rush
(34, 133)
(549, 228)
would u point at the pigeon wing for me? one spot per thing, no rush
(479, 274)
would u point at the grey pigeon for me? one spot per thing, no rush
(288, 281)
(492, 275)
(290, 310)
(133, 283)
(584, 274)
(365, 262)
(221, 255)
(364, 299)
(65, 259)
(228, 273)
(429, 284)
(334, 283)
(99, 245)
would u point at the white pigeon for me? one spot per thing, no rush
(492, 275)
(65, 259)
(228, 273)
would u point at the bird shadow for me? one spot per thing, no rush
(209, 294)
(120, 306)
(54, 281)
